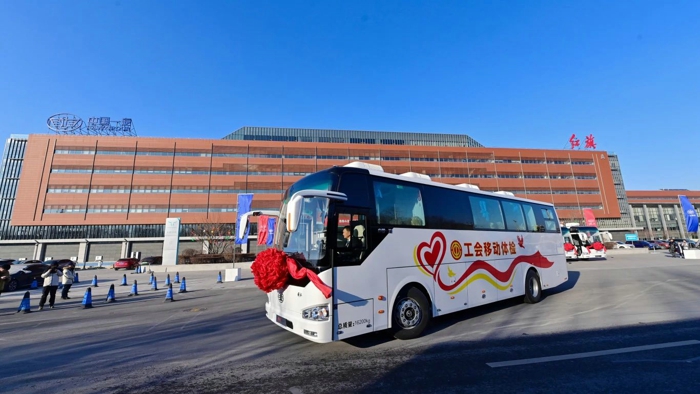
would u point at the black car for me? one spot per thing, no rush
(27, 262)
(152, 260)
(61, 263)
(23, 275)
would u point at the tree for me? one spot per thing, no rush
(218, 237)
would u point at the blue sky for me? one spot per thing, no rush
(509, 73)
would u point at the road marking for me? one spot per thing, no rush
(591, 354)
(158, 324)
(190, 321)
(689, 361)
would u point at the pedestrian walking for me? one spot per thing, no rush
(67, 280)
(682, 247)
(4, 276)
(51, 280)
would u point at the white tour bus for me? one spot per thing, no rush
(588, 241)
(398, 250)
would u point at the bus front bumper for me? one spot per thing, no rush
(316, 331)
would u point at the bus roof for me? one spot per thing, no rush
(422, 180)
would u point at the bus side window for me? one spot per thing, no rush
(398, 204)
(352, 239)
(447, 209)
(530, 217)
(515, 221)
(487, 213)
(550, 223)
(355, 188)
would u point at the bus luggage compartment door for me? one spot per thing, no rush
(354, 318)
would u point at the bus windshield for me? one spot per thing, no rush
(308, 242)
(592, 233)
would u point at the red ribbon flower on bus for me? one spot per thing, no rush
(428, 257)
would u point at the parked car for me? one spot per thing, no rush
(22, 275)
(662, 243)
(622, 245)
(129, 264)
(152, 260)
(25, 262)
(691, 244)
(639, 244)
(61, 262)
(654, 245)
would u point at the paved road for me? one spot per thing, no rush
(215, 339)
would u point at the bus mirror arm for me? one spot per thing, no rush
(244, 220)
(295, 204)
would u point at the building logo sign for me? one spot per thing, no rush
(64, 123)
(70, 124)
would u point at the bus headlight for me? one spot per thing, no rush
(318, 313)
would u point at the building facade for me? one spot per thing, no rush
(85, 196)
(659, 214)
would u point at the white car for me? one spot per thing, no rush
(622, 245)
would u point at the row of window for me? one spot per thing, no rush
(224, 190)
(156, 189)
(578, 207)
(319, 157)
(135, 209)
(189, 171)
(155, 171)
(405, 204)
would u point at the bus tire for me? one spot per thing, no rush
(533, 287)
(412, 313)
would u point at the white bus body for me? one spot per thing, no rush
(417, 249)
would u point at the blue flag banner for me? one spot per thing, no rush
(270, 230)
(243, 207)
(691, 216)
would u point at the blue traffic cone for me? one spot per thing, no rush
(154, 285)
(87, 298)
(150, 281)
(169, 294)
(137, 270)
(24, 306)
(34, 285)
(167, 280)
(134, 289)
(76, 279)
(94, 281)
(183, 286)
(177, 277)
(110, 293)
(124, 281)
(218, 280)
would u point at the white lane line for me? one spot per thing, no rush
(190, 321)
(158, 324)
(591, 354)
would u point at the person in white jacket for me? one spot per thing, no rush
(67, 280)
(51, 280)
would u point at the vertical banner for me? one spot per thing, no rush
(589, 217)
(243, 207)
(262, 229)
(171, 243)
(270, 230)
(691, 216)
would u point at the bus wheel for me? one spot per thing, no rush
(533, 288)
(411, 315)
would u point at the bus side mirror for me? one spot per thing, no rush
(294, 213)
(294, 206)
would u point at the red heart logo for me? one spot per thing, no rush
(430, 255)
